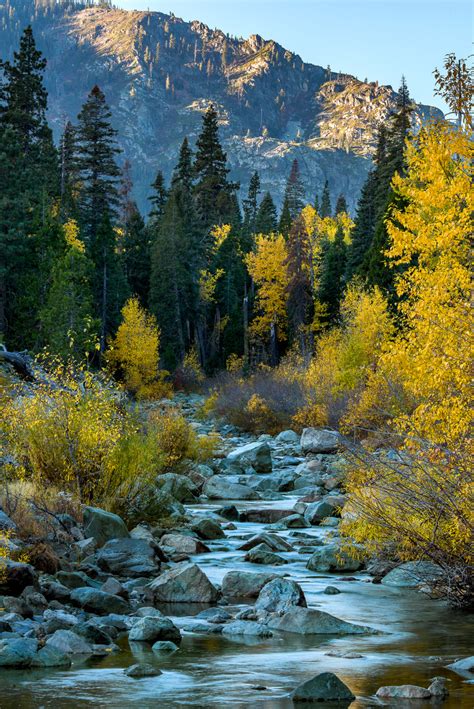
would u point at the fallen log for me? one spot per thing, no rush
(20, 361)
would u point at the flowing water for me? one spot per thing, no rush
(418, 637)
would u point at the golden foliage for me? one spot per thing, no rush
(177, 440)
(268, 268)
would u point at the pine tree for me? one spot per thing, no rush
(69, 172)
(341, 205)
(293, 201)
(316, 204)
(299, 286)
(333, 268)
(99, 174)
(266, 221)
(250, 205)
(136, 255)
(326, 209)
(158, 197)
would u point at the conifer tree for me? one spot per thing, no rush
(293, 201)
(333, 268)
(250, 205)
(326, 209)
(136, 255)
(341, 205)
(266, 221)
(299, 286)
(158, 197)
(68, 172)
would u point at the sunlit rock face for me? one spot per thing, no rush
(160, 73)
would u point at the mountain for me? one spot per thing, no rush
(159, 74)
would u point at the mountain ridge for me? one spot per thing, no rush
(159, 74)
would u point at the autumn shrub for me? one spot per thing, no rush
(264, 402)
(133, 355)
(177, 440)
(190, 375)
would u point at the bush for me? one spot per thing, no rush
(177, 440)
(190, 376)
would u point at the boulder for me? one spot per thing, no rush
(17, 652)
(244, 584)
(69, 643)
(183, 544)
(142, 669)
(16, 576)
(309, 621)
(247, 627)
(279, 596)
(185, 583)
(404, 691)
(332, 558)
(412, 574)
(264, 515)
(229, 512)
(438, 687)
(93, 633)
(6, 523)
(75, 579)
(288, 436)
(153, 505)
(257, 455)
(150, 629)
(102, 525)
(208, 529)
(274, 541)
(325, 687)
(319, 440)
(99, 602)
(317, 511)
(220, 488)
(293, 521)
(464, 667)
(262, 554)
(50, 656)
(178, 486)
(214, 615)
(128, 557)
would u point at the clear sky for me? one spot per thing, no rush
(374, 39)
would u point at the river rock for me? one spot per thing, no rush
(150, 629)
(412, 574)
(214, 615)
(288, 436)
(274, 541)
(208, 529)
(318, 440)
(185, 583)
(75, 579)
(325, 687)
(220, 488)
(68, 642)
(309, 621)
(464, 667)
(6, 523)
(142, 669)
(247, 627)
(245, 584)
(332, 558)
(438, 687)
(183, 544)
(279, 596)
(404, 691)
(128, 557)
(178, 486)
(229, 512)
(257, 455)
(17, 652)
(102, 525)
(16, 576)
(317, 511)
(262, 554)
(95, 601)
(49, 656)
(93, 633)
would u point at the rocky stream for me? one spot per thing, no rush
(239, 607)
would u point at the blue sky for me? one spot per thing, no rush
(374, 39)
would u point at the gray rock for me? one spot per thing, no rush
(17, 652)
(319, 440)
(142, 669)
(208, 529)
(262, 554)
(288, 436)
(103, 526)
(438, 687)
(178, 486)
(309, 621)
(50, 656)
(295, 521)
(93, 633)
(317, 511)
(279, 596)
(404, 691)
(274, 541)
(185, 583)
(214, 615)
(244, 584)
(6, 523)
(464, 667)
(325, 687)
(95, 601)
(85, 547)
(247, 627)
(331, 591)
(220, 488)
(332, 558)
(68, 642)
(412, 574)
(75, 579)
(58, 620)
(183, 544)
(257, 455)
(164, 646)
(150, 629)
(15, 577)
(128, 557)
